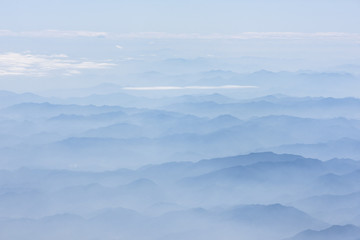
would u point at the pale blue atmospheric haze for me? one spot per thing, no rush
(199, 16)
(153, 120)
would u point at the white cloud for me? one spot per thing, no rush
(53, 34)
(244, 36)
(164, 35)
(42, 65)
(119, 47)
(155, 88)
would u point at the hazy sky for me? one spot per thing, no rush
(195, 16)
(105, 39)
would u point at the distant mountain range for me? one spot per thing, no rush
(346, 232)
(260, 194)
(164, 135)
(340, 148)
(112, 165)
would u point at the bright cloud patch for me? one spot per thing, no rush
(53, 34)
(246, 36)
(42, 65)
(187, 87)
(164, 35)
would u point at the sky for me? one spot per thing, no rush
(196, 16)
(84, 43)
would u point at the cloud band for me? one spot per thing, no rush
(162, 88)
